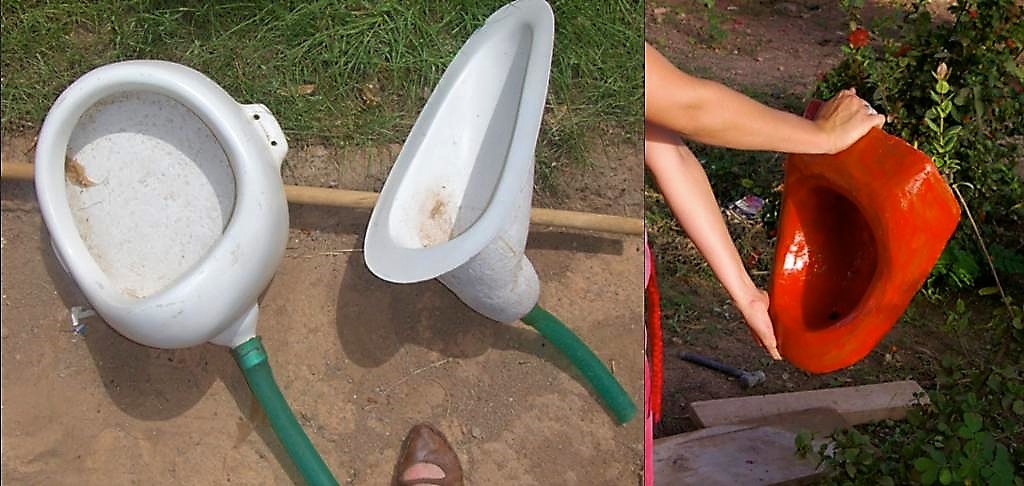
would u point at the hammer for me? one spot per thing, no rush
(747, 379)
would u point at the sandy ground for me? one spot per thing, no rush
(360, 360)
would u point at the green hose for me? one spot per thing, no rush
(607, 387)
(252, 359)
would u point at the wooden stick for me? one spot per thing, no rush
(320, 196)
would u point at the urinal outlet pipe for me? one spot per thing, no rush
(320, 196)
(596, 373)
(252, 359)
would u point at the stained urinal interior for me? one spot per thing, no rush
(151, 189)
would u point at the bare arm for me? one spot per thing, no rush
(687, 191)
(711, 113)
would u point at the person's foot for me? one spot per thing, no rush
(427, 459)
(755, 311)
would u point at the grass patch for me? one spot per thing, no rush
(351, 72)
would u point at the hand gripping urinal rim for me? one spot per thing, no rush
(456, 203)
(214, 298)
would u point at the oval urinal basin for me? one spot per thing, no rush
(858, 233)
(464, 177)
(163, 201)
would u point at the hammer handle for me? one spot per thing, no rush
(710, 363)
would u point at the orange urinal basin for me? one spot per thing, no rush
(858, 233)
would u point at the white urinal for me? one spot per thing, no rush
(164, 202)
(163, 199)
(456, 205)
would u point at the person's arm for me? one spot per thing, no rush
(711, 113)
(687, 191)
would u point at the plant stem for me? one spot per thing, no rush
(991, 266)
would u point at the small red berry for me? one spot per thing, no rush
(1011, 44)
(858, 38)
(973, 13)
(903, 50)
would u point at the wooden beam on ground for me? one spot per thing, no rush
(322, 196)
(857, 404)
(732, 454)
(819, 421)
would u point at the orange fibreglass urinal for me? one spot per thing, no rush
(858, 233)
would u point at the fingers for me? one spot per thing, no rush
(769, 344)
(755, 312)
(878, 121)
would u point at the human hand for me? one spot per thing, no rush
(846, 118)
(755, 312)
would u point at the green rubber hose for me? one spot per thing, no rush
(252, 359)
(596, 373)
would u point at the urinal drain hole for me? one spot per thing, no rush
(256, 116)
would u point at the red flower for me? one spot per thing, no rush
(904, 49)
(858, 38)
(973, 13)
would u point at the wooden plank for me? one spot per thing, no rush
(857, 404)
(819, 421)
(758, 455)
(674, 440)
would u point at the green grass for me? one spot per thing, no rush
(372, 63)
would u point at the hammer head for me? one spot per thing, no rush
(751, 378)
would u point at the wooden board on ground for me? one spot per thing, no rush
(857, 404)
(819, 421)
(732, 454)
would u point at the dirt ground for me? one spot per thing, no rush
(360, 360)
(778, 49)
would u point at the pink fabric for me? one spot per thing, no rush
(648, 429)
(647, 262)
(648, 416)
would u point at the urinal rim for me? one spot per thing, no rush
(213, 294)
(401, 264)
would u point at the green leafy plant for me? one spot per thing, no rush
(969, 433)
(953, 89)
(905, 65)
(714, 18)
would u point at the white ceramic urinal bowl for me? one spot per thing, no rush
(456, 205)
(163, 199)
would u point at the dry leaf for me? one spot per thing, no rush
(371, 93)
(306, 89)
(76, 173)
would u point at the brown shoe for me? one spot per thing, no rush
(425, 444)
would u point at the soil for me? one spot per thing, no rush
(776, 49)
(360, 360)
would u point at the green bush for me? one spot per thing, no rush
(953, 88)
(967, 114)
(972, 432)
